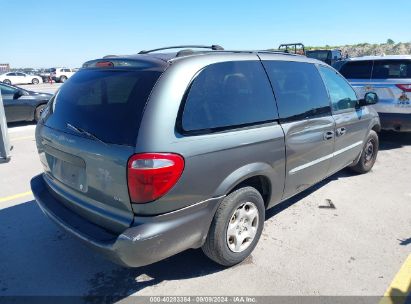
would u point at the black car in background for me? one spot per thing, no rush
(22, 105)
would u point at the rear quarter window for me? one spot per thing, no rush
(228, 95)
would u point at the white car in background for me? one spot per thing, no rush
(61, 74)
(20, 78)
(390, 77)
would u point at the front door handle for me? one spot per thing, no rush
(341, 131)
(328, 135)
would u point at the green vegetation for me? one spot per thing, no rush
(365, 49)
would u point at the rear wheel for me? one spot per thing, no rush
(63, 79)
(236, 227)
(38, 111)
(35, 81)
(368, 154)
(6, 81)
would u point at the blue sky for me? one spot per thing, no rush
(48, 33)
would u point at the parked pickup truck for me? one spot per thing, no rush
(148, 155)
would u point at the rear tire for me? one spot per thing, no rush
(6, 81)
(368, 154)
(35, 81)
(63, 79)
(38, 111)
(234, 224)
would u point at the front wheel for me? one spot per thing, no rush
(35, 81)
(37, 113)
(63, 79)
(7, 81)
(368, 154)
(236, 227)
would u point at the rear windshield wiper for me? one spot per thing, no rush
(81, 131)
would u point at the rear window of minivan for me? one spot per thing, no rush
(106, 103)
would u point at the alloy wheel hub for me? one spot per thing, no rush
(242, 227)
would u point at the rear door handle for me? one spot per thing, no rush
(341, 131)
(328, 135)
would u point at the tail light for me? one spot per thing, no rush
(404, 87)
(151, 175)
(104, 64)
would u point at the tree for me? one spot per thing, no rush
(390, 41)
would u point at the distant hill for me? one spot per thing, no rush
(364, 49)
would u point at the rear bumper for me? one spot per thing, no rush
(399, 122)
(148, 240)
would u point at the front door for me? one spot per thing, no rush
(351, 122)
(14, 108)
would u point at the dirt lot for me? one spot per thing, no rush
(355, 248)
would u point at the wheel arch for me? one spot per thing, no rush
(255, 175)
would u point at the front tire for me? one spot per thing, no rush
(63, 79)
(368, 154)
(7, 81)
(37, 113)
(35, 81)
(236, 227)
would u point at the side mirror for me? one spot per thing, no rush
(18, 94)
(370, 98)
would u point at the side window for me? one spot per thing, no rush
(384, 69)
(11, 74)
(299, 90)
(7, 90)
(227, 95)
(342, 96)
(357, 70)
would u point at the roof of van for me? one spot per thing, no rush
(163, 59)
(381, 57)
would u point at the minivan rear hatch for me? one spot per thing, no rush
(86, 136)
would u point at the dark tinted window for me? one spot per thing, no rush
(341, 94)
(391, 69)
(357, 69)
(336, 54)
(5, 90)
(229, 94)
(106, 103)
(11, 74)
(299, 90)
(320, 55)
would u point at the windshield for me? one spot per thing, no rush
(106, 103)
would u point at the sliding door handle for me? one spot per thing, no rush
(341, 131)
(328, 135)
